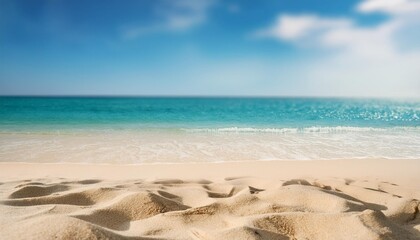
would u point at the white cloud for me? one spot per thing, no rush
(290, 27)
(173, 16)
(374, 42)
(389, 6)
(338, 33)
(361, 60)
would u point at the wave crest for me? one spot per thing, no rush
(299, 130)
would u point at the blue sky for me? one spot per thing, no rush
(365, 48)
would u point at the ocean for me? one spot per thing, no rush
(199, 129)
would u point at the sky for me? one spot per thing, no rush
(327, 48)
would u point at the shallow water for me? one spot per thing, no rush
(148, 130)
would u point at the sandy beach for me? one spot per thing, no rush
(337, 199)
(209, 120)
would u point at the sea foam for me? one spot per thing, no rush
(299, 130)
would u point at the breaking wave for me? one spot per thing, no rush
(337, 129)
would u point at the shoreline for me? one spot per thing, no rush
(222, 162)
(207, 147)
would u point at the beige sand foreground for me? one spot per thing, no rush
(347, 199)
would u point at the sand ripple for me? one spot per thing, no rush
(236, 208)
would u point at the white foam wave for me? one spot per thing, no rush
(299, 130)
(149, 147)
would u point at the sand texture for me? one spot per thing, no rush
(246, 207)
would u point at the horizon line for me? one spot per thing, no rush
(197, 96)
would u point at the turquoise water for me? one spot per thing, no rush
(203, 113)
(150, 130)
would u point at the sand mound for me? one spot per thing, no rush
(84, 198)
(37, 191)
(56, 227)
(133, 207)
(236, 208)
(313, 199)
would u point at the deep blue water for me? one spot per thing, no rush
(52, 113)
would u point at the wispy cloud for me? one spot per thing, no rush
(390, 6)
(296, 27)
(361, 60)
(173, 16)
